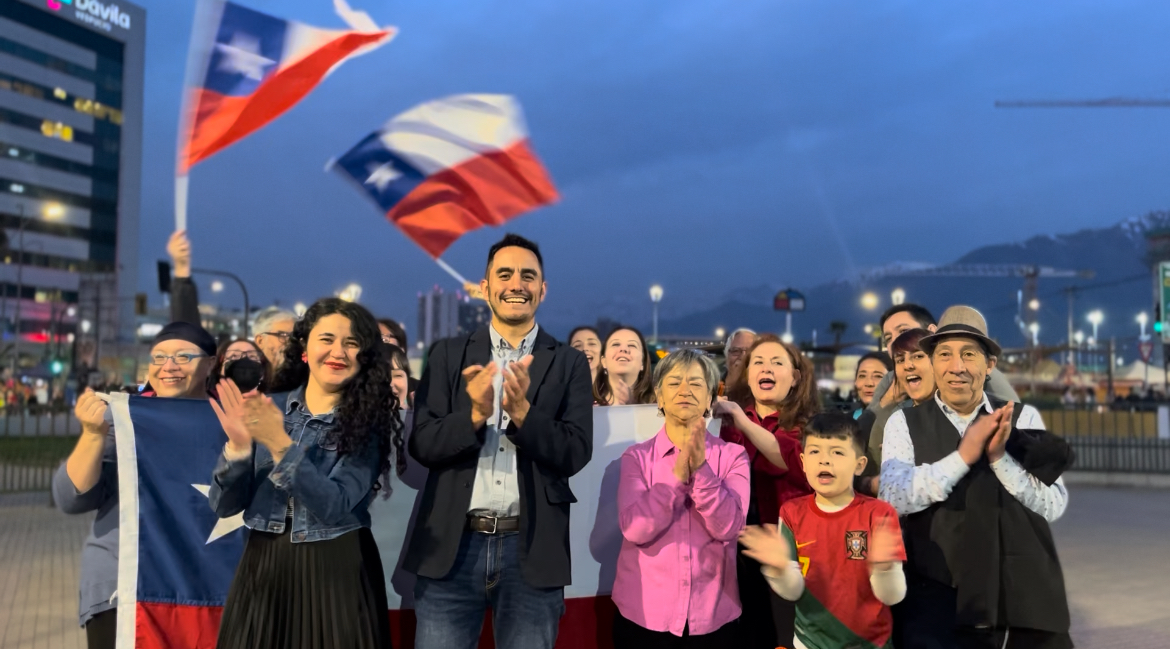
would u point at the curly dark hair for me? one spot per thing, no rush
(368, 411)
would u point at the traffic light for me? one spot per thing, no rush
(1157, 317)
(56, 367)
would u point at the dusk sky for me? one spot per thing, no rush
(702, 145)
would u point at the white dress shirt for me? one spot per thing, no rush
(496, 491)
(911, 488)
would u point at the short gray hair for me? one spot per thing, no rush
(266, 317)
(686, 358)
(727, 343)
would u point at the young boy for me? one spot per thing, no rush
(847, 547)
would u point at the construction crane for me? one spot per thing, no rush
(1031, 275)
(1109, 102)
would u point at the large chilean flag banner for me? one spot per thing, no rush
(176, 559)
(259, 66)
(450, 166)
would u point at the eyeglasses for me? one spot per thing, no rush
(180, 359)
(235, 356)
(282, 335)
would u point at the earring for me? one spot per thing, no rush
(304, 358)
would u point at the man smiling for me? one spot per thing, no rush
(982, 569)
(503, 418)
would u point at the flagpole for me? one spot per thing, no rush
(452, 272)
(207, 15)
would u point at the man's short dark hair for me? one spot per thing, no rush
(835, 425)
(396, 331)
(919, 313)
(514, 240)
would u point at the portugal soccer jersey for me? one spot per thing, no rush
(838, 608)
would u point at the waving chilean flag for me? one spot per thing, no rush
(260, 66)
(450, 166)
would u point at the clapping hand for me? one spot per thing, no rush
(516, 382)
(978, 434)
(481, 391)
(232, 416)
(997, 446)
(765, 544)
(885, 547)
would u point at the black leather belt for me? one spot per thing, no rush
(493, 524)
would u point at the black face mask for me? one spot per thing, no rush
(246, 373)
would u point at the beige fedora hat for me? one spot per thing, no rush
(961, 321)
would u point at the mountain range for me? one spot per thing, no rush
(1121, 286)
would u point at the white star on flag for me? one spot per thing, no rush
(242, 56)
(223, 526)
(382, 176)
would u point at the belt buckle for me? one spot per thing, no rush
(495, 523)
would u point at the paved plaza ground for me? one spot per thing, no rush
(1114, 544)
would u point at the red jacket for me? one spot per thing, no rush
(771, 485)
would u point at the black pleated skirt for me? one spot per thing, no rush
(318, 595)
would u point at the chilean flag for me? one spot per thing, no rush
(260, 66)
(176, 559)
(450, 166)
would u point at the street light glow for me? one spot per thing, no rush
(656, 293)
(216, 286)
(1143, 318)
(1096, 317)
(54, 210)
(898, 296)
(1034, 304)
(787, 338)
(1079, 337)
(869, 301)
(299, 308)
(720, 333)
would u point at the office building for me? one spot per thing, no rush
(71, 77)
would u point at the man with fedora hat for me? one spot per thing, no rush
(978, 481)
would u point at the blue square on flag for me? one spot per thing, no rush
(248, 47)
(386, 176)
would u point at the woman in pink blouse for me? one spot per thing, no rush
(682, 500)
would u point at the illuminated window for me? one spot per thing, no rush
(57, 130)
(60, 93)
(16, 188)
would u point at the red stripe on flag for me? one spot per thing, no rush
(489, 189)
(175, 626)
(587, 624)
(221, 121)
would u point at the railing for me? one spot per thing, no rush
(32, 445)
(1121, 441)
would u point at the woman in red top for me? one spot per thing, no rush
(765, 411)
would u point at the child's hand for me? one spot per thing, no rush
(764, 544)
(885, 547)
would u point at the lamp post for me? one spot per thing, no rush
(655, 298)
(897, 297)
(243, 289)
(720, 332)
(51, 212)
(1095, 318)
(1143, 319)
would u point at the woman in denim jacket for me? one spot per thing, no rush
(303, 466)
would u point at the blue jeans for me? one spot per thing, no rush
(486, 573)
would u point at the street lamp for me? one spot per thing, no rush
(299, 308)
(351, 293)
(1034, 304)
(720, 333)
(51, 212)
(897, 297)
(655, 298)
(217, 286)
(1143, 319)
(869, 301)
(1035, 329)
(787, 337)
(1095, 318)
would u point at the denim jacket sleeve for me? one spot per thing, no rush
(331, 495)
(233, 484)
